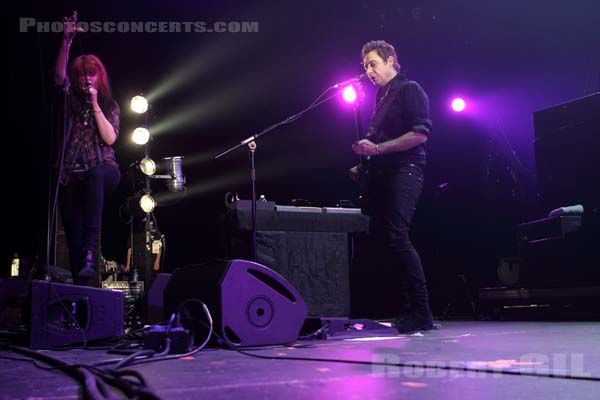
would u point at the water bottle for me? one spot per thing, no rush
(14, 266)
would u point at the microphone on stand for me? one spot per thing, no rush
(355, 79)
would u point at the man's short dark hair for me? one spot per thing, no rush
(384, 50)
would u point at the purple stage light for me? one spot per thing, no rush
(458, 104)
(349, 94)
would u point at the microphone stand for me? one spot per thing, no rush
(252, 150)
(357, 116)
(361, 159)
(251, 143)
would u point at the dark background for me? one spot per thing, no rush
(209, 91)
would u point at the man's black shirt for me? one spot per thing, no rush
(408, 112)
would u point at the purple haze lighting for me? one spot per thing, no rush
(458, 104)
(349, 94)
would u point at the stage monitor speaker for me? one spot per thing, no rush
(99, 314)
(251, 305)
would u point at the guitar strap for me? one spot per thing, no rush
(373, 135)
(373, 132)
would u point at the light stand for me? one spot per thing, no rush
(147, 191)
(171, 169)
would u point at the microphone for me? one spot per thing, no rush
(355, 79)
(87, 86)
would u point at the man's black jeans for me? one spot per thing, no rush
(391, 202)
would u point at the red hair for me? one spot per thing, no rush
(89, 64)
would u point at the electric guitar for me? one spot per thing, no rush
(373, 135)
(363, 172)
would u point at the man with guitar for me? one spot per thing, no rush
(395, 151)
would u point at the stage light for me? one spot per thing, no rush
(168, 169)
(140, 136)
(458, 104)
(177, 181)
(147, 203)
(147, 166)
(349, 94)
(139, 104)
(142, 169)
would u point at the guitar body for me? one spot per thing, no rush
(363, 175)
(373, 135)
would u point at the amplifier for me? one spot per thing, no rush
(567, 153)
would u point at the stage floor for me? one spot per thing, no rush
(568, 350)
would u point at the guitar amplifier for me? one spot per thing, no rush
(567, 153)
